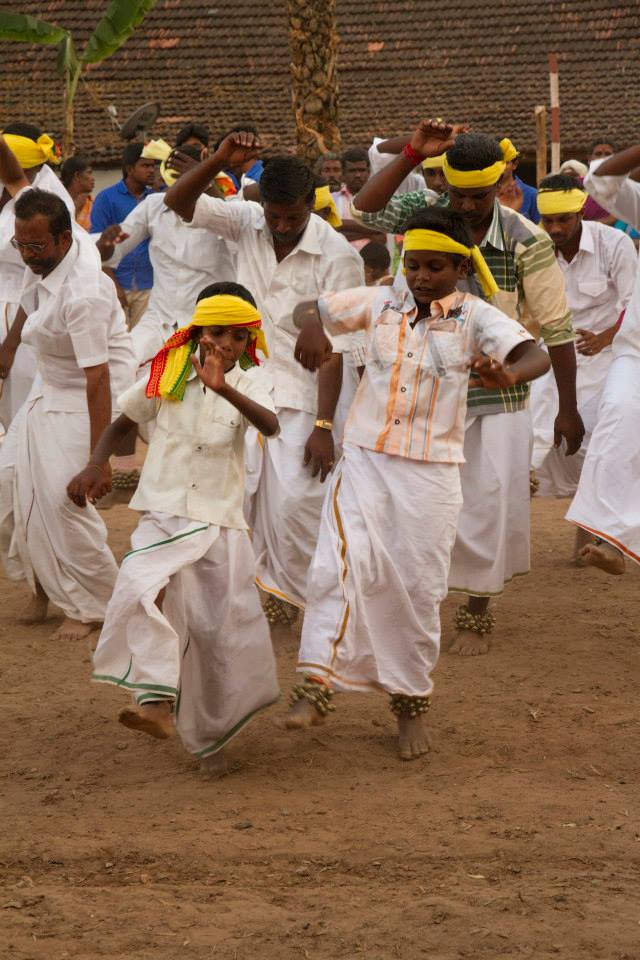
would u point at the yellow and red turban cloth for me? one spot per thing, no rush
(487, 177)
(323, 200)
(33, 153)
(552, 202)
(441, 243)
(171, 366)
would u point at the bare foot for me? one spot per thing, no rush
(603, 556)
(214, 766)
(73, 630)
(303, 714)
(582, 539)
(36, 610)
(469, 644)
(413, 740)
(152, 718)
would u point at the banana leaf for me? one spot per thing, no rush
(117, 25)
(20, 26)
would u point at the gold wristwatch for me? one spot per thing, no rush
(324, 424)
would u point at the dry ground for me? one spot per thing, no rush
(518, 836)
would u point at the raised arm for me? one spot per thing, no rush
(620, 164)
(11, 173)
(236, 149)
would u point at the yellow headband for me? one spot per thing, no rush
(32, 153)
(433, 163)
(324, 200)
(468, 179)
(160, 150)
(509, 152)
(561, 201)
(225, 310)
(440, 242)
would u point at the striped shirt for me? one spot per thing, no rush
(522, 260)
(412, 399)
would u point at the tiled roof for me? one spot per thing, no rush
(484, 63)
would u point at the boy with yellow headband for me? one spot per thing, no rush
(389, 520)
(184, 631)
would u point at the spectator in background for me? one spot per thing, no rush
(246, 173)
(329, 168)
(434, 177)
(592, 209)
(134, 276)
(512, 191)
(355, 173)
(194, 135)
(77, 176)
(575, 169)
(377, 264)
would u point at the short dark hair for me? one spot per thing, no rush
(198, 130)
(287, 179)
(325, 156)
(28, 130)
(559, 181)
(227, 287)
(376, 255)
(443, 220)
(595, 144)
(355, 155)
(70, 167)
(473, 151)
(130, 155)
(34, 202)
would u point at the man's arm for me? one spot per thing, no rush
(95, 480)
(116, 241)
(11, 173)
(234, 150)
(620, 164)
(11, 343)
(319, 451)
(98, 400)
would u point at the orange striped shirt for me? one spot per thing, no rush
(412, 399)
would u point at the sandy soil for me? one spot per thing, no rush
(517, 837)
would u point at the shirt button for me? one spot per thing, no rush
(403, 389)
(193, 486)
(396, 422)
(199, 448)
(409, 354)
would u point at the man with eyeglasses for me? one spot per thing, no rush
(70, 316)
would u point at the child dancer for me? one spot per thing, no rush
(184, 631)
(388, 525)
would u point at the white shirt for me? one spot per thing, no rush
(322, 261)
(184, 260)
(74, 321)
(378, 161)
(621, 196)
(194, 466)
(11, 263)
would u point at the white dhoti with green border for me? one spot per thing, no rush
(209, 648)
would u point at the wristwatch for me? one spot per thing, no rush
(324, 424)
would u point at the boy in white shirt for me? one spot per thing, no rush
(185, 631)
(388, 524)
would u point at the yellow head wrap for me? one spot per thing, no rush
(171, 366)
(32, 153)
(324, 200)
(160, 150)
(561, 201)
(433, 163)
(509, 152)
(440, 242)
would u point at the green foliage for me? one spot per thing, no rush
(117, 25)
(20, 26)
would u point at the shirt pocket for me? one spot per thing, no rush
(447, 350)
(593, 292)
(384, 343)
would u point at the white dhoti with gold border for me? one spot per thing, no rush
(209, 647)
(379, 573)
(493, 539)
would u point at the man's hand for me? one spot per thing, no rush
(313, 347)
(212, 371)
(108, 239)
(590, 344)
(238, 149)
(432, 137)
(490, 374)
(90, 484)
(319, 453)
(181, 162)
(568, 425)
(7, 356)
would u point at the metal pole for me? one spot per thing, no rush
(555, 112)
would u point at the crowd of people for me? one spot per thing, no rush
(345, 383)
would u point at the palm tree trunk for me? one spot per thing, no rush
(314, 48)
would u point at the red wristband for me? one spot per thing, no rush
(411, 155)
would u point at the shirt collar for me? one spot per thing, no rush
(440, 308)
(122, 188)
(56, 278)
(493, 236)
(586, 238)
(309, 242)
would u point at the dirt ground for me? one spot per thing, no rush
(517, 837)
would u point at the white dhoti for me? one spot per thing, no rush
(379, 573)
(62, 546)
(558, 474)
(209, 648)
(607, 502)
(15, 389)
(493, 539)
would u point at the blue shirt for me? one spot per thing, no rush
(529, 208)
(112, 206)
(255, 172)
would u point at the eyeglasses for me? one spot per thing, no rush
(34, 247)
